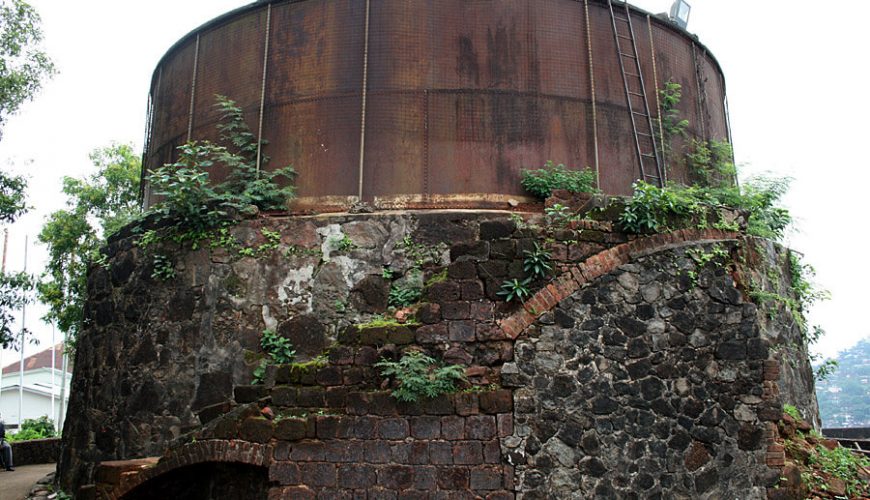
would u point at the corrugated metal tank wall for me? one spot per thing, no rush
(428, 103)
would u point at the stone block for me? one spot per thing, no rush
(398, 477)
(446, 291)
(452, 478)
(429, 313)
(356, 476)
(485, 478)
(284, 473)
(256, 430)
(425, 427)
(462, 270)
(393, 428)
(455, 310)
(496, 229)
(319, 474)
(291, 429)
(468, 452)
(482, 427)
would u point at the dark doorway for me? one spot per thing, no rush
(207, 481)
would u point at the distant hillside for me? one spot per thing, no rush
(844, 398)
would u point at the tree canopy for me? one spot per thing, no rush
(23, 63)
(97, 206)
(23, 67)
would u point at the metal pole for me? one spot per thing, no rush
(193, 90)
(21, 365)
(53, 354)
(365, 84)
(263, 87)
(592, 88)
(3, 270)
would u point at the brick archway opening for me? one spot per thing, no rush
(206, 481)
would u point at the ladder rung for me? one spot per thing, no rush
(648, 155)
(624, 36)
(635, 93)
(628, 55)
(631, 74)
(640, 113)
(644, 134)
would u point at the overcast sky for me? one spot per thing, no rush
(796, 88)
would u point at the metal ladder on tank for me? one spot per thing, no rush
(635, 90)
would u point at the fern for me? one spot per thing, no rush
(420, 376)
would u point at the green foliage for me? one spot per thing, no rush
(711, 163)
(379, 321)
(537, 263)
(342, 243)
(248, 183)
(541, 182)
(401, 296)
(441, 277)
(97, 206)
(23, 63)
(652, 209)
(187, 200)
(826, 370)
(278, 349)
(163, 267)
(802, 286)
(843, 464)
(515, 289)
(559, 215)
(792, 412)
(13, 202)
(672, 125)
(38, 428)
(421, 377)
(191, 206)
(14, 292)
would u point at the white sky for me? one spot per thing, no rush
(796, 87)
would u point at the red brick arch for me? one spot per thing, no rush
(116, 479)
(577, 275)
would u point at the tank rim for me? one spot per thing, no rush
(223, 18)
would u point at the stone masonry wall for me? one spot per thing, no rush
(652, 375)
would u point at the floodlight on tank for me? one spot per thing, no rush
(680, 13)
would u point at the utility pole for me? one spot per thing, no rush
(21, 366)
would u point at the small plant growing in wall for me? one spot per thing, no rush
(278, 351)
(163, 269)
(541, 182)
(538, 263)
(401, 296)
(515, 289)
(421, 377)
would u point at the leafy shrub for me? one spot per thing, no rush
(247, 183)
(403, 297)
(792, 411)
(652, 209)
(38, 428)
(420, 376)
(841, 463)
(163, 268)
(515, 290)
(537, 262)
(541, 182)
(278, 349)
(191, 205)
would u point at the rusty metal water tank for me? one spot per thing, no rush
(432, 103)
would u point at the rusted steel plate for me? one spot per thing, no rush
(460, 95)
